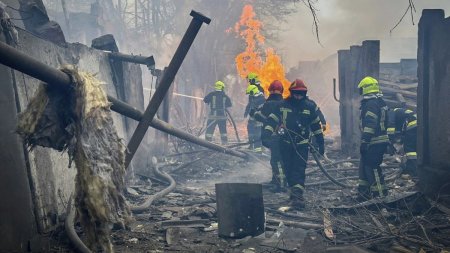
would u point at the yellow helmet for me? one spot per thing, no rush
(251, 90)
(368, 85)
(252, 78)
(219, 85)
(252, 75)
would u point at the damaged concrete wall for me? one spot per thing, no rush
(433, 102)
(17, 224)
(51, 181)
(354, 64)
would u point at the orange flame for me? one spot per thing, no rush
(269, 69)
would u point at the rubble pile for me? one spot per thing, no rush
(185, 220)
(401, 93)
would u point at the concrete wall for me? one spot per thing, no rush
(433, 102)
(17, 223)
(42, 177)
(354, 64)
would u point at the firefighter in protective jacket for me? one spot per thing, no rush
(374, 139)
(255, 99)
(261, 115)
(295, 120)
(403, 125)
(218, 102)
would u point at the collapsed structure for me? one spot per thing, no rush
(36, 184)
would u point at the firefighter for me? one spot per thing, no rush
(218, 102)
(295, 120)
(252, 78)
(261, 115)
(255, 99)
(402, 124)
(374, 139)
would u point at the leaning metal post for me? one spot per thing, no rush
(166, 81)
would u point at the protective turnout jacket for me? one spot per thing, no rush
(400, 120)
(373, 120)
(295, 121)
(271, 104)
(218, 101)
(254, 102)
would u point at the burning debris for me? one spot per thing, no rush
(79, 120)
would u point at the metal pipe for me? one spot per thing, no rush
(334, 90)
(148, 61)
(166, 81)
(131, 112)
(19, 61)
(22, 62)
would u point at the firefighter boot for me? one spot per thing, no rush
(363, 193)
(296, 197)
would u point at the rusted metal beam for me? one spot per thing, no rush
(138, 59)
(167, 79)
(13, 58)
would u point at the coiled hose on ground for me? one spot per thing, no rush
(70, 219)
(147, 203)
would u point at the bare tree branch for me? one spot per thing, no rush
(411, 8)
(313, 10)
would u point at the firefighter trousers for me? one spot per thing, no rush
(254, 134)
(276, 163)
(211, 126)
(410, 148)
(294, 159)
(371, 179)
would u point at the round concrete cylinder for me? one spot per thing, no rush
(240, 209)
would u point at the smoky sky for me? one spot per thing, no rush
(348, 22)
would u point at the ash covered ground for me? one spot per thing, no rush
(185, 220)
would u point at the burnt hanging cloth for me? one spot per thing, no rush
(78, 120)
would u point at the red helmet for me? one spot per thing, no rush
(298, 85)
(276, 86)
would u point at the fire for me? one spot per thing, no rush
(267, 66)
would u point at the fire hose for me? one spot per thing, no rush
(144, 206)
(234, 124)
(230, 118)
(70, 230)
(319, 163)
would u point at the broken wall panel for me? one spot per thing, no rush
(354, 65)
(433, 103)
(52, 181)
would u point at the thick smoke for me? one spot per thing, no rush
(348, 22)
